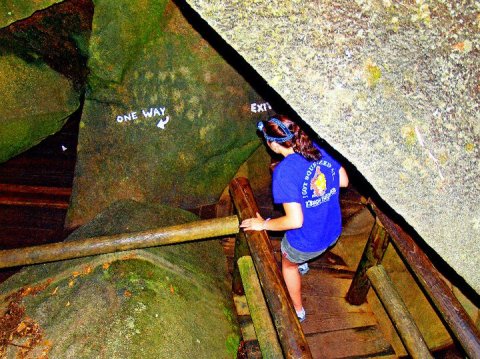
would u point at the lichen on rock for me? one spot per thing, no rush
(36, 102)
(424, 75)
(170, 301)
(166, 119)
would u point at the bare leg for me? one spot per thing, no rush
(293, 280)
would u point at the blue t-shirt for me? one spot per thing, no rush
(316, 186)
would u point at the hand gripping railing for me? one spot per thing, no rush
(370, 272)
(257, 245)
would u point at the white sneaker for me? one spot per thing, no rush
(301, 315)
(303, 268)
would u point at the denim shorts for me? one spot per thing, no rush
(296, 256)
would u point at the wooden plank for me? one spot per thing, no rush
(332, 305)
(29, 201)
(326, 284)
(50, 191)
(323, 322)
(366, 342)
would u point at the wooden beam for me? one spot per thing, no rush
(398, 313)
(240, 250)
(447, 305)
(372, 255)
(191, 231)
(292, 338)
(34, 196)
(264, 329)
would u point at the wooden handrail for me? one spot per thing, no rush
(190, 231)
(290, 333)
(398, 313)
(262, 321)
(448, 306)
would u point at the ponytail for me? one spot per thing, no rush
(304, 146)
(287, 133)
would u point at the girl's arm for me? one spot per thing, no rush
(343, 177)
(292, 219)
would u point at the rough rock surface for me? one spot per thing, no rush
(14, 10)
(36, 102)
(164, 302)
(166, 118)
(393, 86)
(42, 70)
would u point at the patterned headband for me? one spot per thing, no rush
(286, 131)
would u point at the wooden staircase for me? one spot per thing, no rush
(35, 189)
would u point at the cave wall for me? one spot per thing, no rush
(393, 86)
(166, 118)
(42, 69)
(164, 302)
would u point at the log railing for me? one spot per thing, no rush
(191, 231)
(370, 272)
(257, 245)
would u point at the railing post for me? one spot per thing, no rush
(372, 255)
(264, 328)
(290, 333)
(240, 250)
(397, 311)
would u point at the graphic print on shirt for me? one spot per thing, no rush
(318, 184)
(316, 188)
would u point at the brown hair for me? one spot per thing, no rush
(301, 142)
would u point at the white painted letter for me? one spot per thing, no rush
(147, 114)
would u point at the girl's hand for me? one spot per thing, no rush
(253, 224)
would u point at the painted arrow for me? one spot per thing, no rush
(161, 124)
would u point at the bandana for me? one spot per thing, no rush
(288, 135)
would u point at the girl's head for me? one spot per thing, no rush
(286, 133)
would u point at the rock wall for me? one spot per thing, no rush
(42, 70)
(164, 302)
(393, 86)
(166, 118)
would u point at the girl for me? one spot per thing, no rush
(306, 182)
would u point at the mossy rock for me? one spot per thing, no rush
(167, 119)
(14, 10)
(36, 102)
(164, 302)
